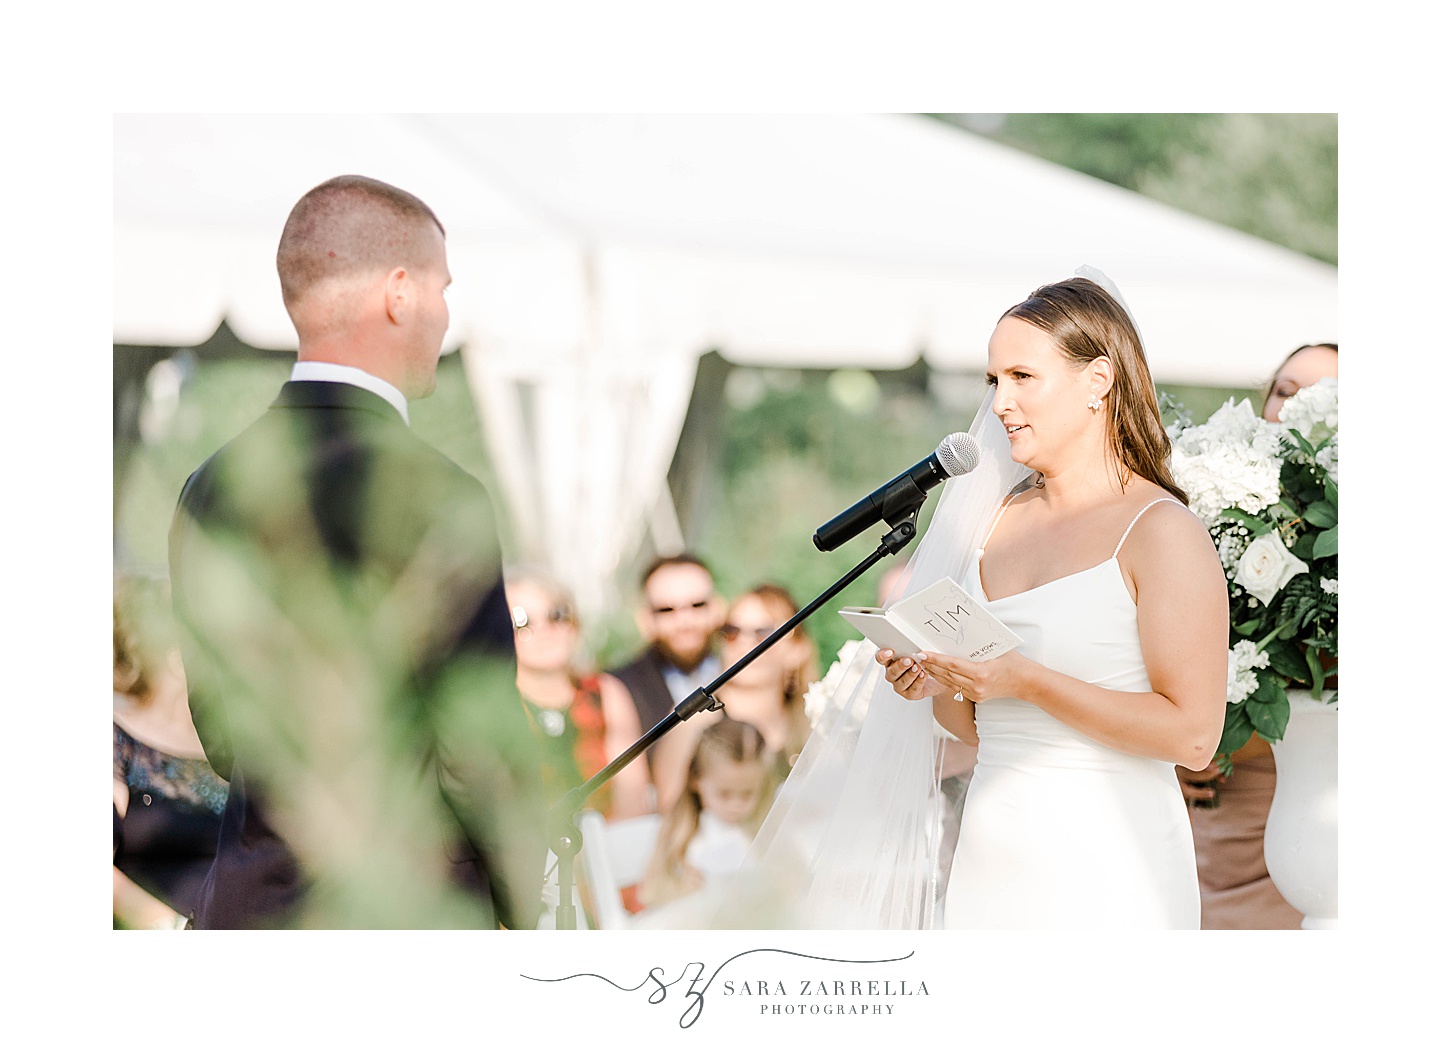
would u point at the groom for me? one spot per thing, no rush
(349, 671)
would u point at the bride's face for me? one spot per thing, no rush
(1040, 398)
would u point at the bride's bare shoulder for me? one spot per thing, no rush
(1162, 525)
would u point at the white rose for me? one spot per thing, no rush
(1266, 566)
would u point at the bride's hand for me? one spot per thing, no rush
(996, 678)
(907, 678)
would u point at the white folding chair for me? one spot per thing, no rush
(615, 855)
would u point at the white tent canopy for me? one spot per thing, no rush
(596, 257)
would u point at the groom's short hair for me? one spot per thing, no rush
(348, 225)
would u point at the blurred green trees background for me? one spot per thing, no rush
(770, 454)
(1274, 175)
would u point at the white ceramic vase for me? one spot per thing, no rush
(1302, 832)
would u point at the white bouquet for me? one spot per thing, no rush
(1269, 494)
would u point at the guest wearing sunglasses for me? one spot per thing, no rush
(768, 694)
(679, 616)
(583, 720)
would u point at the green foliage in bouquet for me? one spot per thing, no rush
(1269, 494)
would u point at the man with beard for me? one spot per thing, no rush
(679, 615)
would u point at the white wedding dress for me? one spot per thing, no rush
(1060, 831)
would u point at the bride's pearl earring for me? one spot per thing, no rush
(1095, 403)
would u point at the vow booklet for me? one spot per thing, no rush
(941, 618)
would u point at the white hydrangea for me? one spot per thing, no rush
(1231, 460)
(1232, 422)
(1244, 659)
(1330, 586)
(1314, 411)
(1329, 458)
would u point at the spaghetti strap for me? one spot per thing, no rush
(997, 518)
(1162, 499)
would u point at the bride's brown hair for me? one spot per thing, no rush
(1086, 323)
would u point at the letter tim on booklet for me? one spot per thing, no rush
(942, 618)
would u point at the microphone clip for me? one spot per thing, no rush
(901, 535)
(902, 501)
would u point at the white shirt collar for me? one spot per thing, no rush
(682, 684)
(339, 374)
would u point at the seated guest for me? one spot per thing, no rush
(707, 832)
(768, 694)
(679, 615)
(166, 800)
(583, 720)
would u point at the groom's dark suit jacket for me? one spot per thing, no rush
(350, 665)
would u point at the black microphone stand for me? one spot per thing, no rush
(564, 830)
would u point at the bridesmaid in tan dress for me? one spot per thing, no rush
(1228, 814)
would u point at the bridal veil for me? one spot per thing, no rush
(852, 838)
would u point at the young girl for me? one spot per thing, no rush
(708, 830)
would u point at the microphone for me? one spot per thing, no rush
(957, 454)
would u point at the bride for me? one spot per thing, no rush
(1074, 533)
